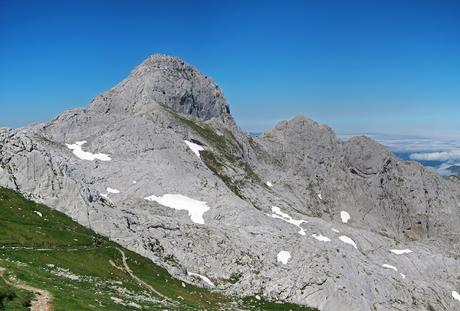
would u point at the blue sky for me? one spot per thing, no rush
(359, 66)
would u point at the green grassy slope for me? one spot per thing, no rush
(45, 249)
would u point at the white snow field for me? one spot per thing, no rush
(109, 190)
(347, 240)
(283, 257)
(321, 238)
(205, 279)
(456, 295)
(195, 208)
(84, 155)
(389, 267)
(401, 251)
(277, 213)
(194, 147)
(344, 216)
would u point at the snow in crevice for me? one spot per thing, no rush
(347, 240)
(278, 214)
(202, 277)
(109, 190)
(402, 275)
(38, 213)
(335, 230)
(401, 251)
(283, 257)
(84, 155)
(344, 216)
(269, 184)
(194, 147)
(320, 196)
(390, 267)
(456, 295)
(195, 208)
(321, 238)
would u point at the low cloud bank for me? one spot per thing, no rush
(451, 155)
(439, 154)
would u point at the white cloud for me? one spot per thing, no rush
(451, 155)
(445, 150)
(413, 144)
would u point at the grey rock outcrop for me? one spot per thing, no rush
(299, 167)
(169, 81)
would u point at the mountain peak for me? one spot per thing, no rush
(169, 81)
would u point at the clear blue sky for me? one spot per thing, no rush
(359, 66)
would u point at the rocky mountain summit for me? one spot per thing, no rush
(158, 164)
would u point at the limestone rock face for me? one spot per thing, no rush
(168, 81)
(349, 214)
(365, 156)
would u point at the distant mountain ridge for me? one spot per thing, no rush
(158, 164)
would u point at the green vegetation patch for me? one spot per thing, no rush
(45, 249)
(12, 298)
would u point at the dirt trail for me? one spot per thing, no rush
(42, 300)
(130, 272)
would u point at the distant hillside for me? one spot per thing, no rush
(49, 261)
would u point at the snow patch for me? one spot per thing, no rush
(402, 275)
(257, 297)
(283, 257)
(400, 251)
(194, 147)
(335, 230)
(347, 240)
(134, 182)
(345, 216)
(84, 155)
(269, 184)
(38, 213)
(390, 267)
(319, 196)
(195, 208)
(456, 295)
(111, 190)
(277, 213)
(321, 238)
(205, 279)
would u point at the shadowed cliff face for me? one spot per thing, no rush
(294, 214)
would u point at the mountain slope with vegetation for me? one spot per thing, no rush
(158, 165)
(44, 255)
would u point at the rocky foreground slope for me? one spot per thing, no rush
(50, 263)
(158, 164)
